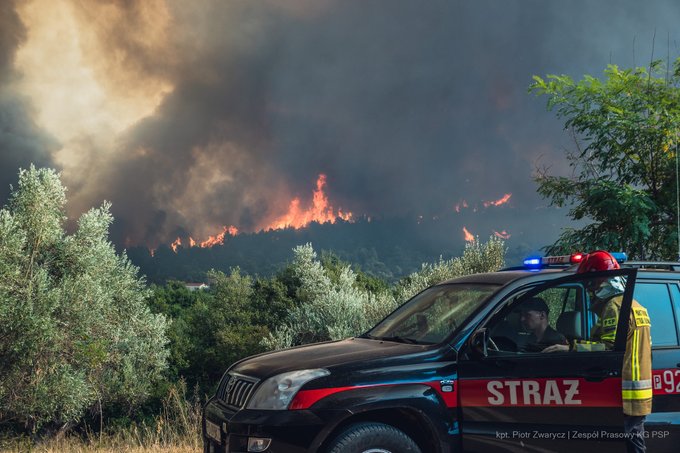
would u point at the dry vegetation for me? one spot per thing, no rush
(175, 430)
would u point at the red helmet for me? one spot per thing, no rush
(598, 261)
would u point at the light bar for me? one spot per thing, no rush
(536, 262)
(574, 258)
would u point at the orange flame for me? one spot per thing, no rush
(468, 236)
(219, 238)
(498, 202)
(502, 235)
(321, 211)
(176, 243)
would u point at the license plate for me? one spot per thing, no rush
(213, 431)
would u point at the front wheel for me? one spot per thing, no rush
(372, 438)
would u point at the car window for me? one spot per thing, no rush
(655, 297)
(513, 329)
(434, 314)
(532, 322)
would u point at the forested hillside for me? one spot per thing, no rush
(388, 249)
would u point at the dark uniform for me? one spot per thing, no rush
(550, 337)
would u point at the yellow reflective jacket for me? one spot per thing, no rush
(636, 375)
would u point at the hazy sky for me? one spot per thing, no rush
(193, 115)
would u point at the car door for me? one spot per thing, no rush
(514, 399)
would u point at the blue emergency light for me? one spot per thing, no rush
(620, 257)
(532, 262)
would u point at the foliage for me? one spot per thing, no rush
(219, 328)
(477, 257)
(627, 129)
(175, 428)
(80, 332)
(75, 331)
(334, 303)
(386, 249)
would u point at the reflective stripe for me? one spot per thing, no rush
(636, 394)
(632, 385)
(589, 347)
(609, 336)
(635, 359)
(609, 332)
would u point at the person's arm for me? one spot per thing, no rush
(560, 343)
(604, 331)
(601, 337)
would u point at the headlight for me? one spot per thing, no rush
(277, 392)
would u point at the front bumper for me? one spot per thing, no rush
(295, 431)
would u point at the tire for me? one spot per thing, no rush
(372, 438)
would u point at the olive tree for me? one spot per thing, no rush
(333, 304)
(75, 331)
(329, 307)
(477, 257)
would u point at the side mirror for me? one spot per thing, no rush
(478, 343)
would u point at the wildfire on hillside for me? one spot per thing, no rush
(217, 239)
(504, 199)
(468, 236)
(463, 204)
(321, 211)
(175, 244)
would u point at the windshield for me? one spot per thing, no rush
(432, 315)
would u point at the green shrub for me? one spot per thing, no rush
(333, 302)
(477, 258)
(75, 330)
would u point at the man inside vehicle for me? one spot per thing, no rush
(534, 319)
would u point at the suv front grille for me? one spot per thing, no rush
(235, 389)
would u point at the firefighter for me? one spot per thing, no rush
(637, 360)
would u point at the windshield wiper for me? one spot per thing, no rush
(369, 336)
(398, 339)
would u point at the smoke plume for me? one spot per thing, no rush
(192, 116)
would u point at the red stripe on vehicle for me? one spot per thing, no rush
(450, 398)
(305, 399)
(556, 392)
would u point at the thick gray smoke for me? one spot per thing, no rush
(408, 107)
(21, 141)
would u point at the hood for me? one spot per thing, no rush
(329, 355)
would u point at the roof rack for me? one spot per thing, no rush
(658, 265)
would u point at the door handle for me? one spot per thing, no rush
(598, 374)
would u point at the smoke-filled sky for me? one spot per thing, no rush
(189, 116)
